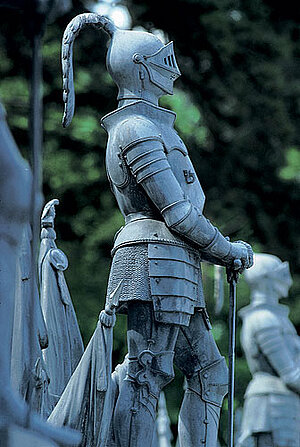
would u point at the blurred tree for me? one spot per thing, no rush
(238, 107)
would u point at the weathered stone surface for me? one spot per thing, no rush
(65, 346)
(17, 436)
(15, 187)
(157, 254)
(28, 372)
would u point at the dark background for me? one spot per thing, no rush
(237, 103)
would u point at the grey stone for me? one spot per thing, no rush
(15, 187)
(271, 414)
(15, 184)
(28, 372)
(87, 401)
(17, 436)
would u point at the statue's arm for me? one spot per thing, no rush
(274, 346)
(149, 165)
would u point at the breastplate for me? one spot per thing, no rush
(257, 361)
(130, 196)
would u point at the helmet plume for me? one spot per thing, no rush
(71, 32)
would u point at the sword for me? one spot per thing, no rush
(232, 278)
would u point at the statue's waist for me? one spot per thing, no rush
(139, 228)
(140, 215)
(265, 383)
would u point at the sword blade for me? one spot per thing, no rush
(232, 330)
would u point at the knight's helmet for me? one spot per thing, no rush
(136, 60)
(269, 269)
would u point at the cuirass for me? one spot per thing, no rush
(257, 361)
(130, 196)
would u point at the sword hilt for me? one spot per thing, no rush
(233, 271)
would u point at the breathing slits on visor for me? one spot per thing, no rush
(164, 58)
(170, 61)
(161, 66)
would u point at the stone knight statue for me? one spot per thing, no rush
(159, 250)
(271, 415)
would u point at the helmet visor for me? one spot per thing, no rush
(162, 67)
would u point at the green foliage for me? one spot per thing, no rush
(291, 170)
(189, 120)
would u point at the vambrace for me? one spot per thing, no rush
(149, 165)
(274, 347)
(184, 218)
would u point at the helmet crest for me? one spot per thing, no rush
(131, 54)
(71, 32)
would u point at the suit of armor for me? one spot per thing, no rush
(157, 254)
(271, 416)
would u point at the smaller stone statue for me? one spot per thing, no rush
(65, 343)
(271, 416)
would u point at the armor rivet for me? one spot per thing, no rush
(203, 441)
(205, 375)
(205, 421)
(156, 263)
(155, 235)
(157, 280)
(137, 58)
(133, 410)
(145, 375)
(120, 147)
(120, 163)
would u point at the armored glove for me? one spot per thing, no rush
(243, 252)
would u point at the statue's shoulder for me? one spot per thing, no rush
(137, 121)
(260, 317)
